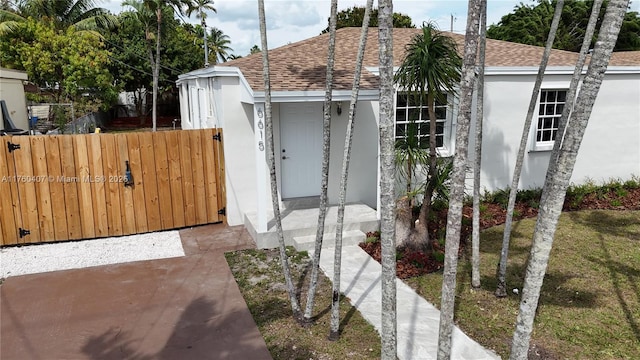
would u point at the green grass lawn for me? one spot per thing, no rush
(590, 302)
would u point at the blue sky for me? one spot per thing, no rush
(294, 20)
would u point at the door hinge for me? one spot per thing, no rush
(12, 146)
(217, 137)
(23, 232)
(223, 211)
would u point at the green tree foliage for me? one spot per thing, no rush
(529, 24)
(132, 43)
(254, 50)
(83, 15)
(352, 17)
(218, 43)
(72, 65)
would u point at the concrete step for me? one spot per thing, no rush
(349, 237)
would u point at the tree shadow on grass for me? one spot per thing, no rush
(617, 272)
(622, 226)
(201, 332)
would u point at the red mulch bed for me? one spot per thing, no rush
(416, 263)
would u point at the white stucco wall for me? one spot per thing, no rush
(363, 167)
(239, 152)
(611, 145)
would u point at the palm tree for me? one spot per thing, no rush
(559, 175)
(337, 263)
(475, 233)
(388, 333)
(219, 45)
(159, 7)
(430, 70)
(326, 152)
(295, 306)
(454, 216)
(83, 15)
(501, 288)
(201, 6)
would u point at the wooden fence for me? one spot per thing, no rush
(66, 187)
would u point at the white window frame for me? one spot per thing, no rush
(446, 122)
(549, 109)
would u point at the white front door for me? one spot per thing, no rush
(301, 149)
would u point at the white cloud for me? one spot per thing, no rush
(294, 20)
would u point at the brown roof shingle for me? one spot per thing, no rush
(302, 65)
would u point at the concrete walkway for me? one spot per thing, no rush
(186, 307)
(418, 320)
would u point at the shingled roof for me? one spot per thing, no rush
(301, 66)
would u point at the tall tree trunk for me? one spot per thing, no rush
(558, 177)
(326, 152)
(387, 182)
(475, 233)
(295, 307)
(456, 197)
(575, 79)
(206, 47)
(156, 70)
(337, 263)
(421, 239)
(501, 289)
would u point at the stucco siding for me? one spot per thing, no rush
(363, 167)
(610, 149)
(239, 152)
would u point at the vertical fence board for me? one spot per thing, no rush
(9, 228)
(43, 193)
(175, 178)
(98, 184)
(198, 176)
(84, 186)
(70, 184)
(211, 197)
(139, 204)
(220, 175)
(147, 159)
(27, 188)
(187, 179)
(56, 188)
(162, 177)
(110, 164)
(126, 192)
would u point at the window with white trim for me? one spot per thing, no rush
(410, 114)
(549, 112)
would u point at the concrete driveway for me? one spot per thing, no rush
(179, 308)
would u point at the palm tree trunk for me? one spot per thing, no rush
(156, 71)
(454, 217)
(501, 289)
(295, 307)
(206, 48)
(387, 182)
(326, 152)
(575, 79)
(558, 177)
(475, 233)
(335, 304)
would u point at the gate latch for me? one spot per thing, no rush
(12, 146)
(23, 232)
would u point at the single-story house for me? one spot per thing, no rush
(231, 96)
(12, 92)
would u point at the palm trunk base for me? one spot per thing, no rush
(334, 335)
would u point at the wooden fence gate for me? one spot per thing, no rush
(66, 187)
